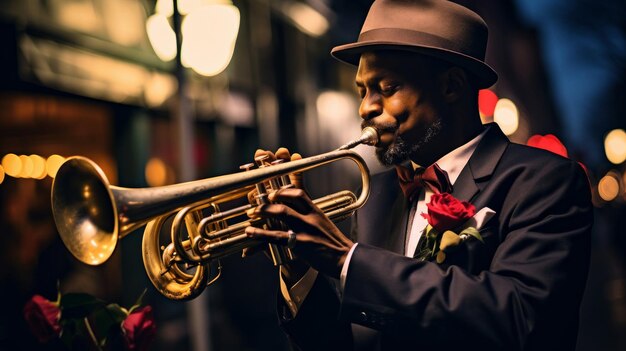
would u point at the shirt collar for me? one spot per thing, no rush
(454, 161)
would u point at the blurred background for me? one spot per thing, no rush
(108, 79)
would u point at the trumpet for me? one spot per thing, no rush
(91, 215)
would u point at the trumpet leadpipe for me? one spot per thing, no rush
(369, 136)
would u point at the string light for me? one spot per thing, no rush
(39, 167)
(12, 164)
(52, 165)
(27, 167)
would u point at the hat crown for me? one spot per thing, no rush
(436, 23)
(437, 28)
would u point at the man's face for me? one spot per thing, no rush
(397, 91)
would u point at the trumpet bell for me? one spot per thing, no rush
(82, 206)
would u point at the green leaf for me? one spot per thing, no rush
(79, 305)
(117, 312)
(139, 302)
(473, 232)
(103, 320)
(75, 335)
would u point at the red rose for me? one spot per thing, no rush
(42, 317)
(548, 142)
(139, 329)
(445, 212)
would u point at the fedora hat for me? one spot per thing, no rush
(437, 28)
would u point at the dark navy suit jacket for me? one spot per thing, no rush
(519, 290)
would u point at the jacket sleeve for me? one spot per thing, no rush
(534, 283)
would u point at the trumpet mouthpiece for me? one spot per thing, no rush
(369, 136)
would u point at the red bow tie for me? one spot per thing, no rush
(433, 178)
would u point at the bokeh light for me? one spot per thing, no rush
(506, 115)
(487, 101)
(608, 187)
(12, 165)
(53, 163)
(156, 172)
(1, 174)
(306, 18)
(615, 146)
(164, 7)
(548, 142)
(209, 35)
(27, 167)
(161, 36)
(39, 167)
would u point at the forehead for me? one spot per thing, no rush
(391, 64)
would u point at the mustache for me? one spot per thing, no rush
(388, 127)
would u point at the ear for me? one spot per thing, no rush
(453, 82)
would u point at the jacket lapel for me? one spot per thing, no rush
(481, 164)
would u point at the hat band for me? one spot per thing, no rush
(409, 37)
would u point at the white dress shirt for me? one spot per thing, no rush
(453, 163)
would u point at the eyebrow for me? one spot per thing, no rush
(374, 78)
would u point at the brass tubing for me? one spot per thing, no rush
(238, 211)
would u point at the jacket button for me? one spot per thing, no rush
(363, 316)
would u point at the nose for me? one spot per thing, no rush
(371, 106)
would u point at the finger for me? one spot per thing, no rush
(270, 155)
(276, 211)
(295, 198)
(270, 236)
(283, 153)
(296, 156)
(296, 178)
(252, 197)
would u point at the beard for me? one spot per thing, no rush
(401, 149)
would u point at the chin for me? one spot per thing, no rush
(401, 149)
(396, 153)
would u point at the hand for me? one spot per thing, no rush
(318, 241)
(294, 270)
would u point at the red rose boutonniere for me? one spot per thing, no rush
(42, 316)
(445, 215)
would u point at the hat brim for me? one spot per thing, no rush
(484, 75)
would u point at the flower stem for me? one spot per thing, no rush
(91, 334)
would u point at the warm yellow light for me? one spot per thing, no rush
(53, 163)
(615, 146)
(164, 7)
(12, 165)
(506, 115)
(158, 88)
(334, 105)
(185, 7)
(209, 35)
(39, 167)
(306, 18)
(1, 174)
(608, 187)
(27, 167)
(162, 37)
(156, 172)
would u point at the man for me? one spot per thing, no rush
(517, 285)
